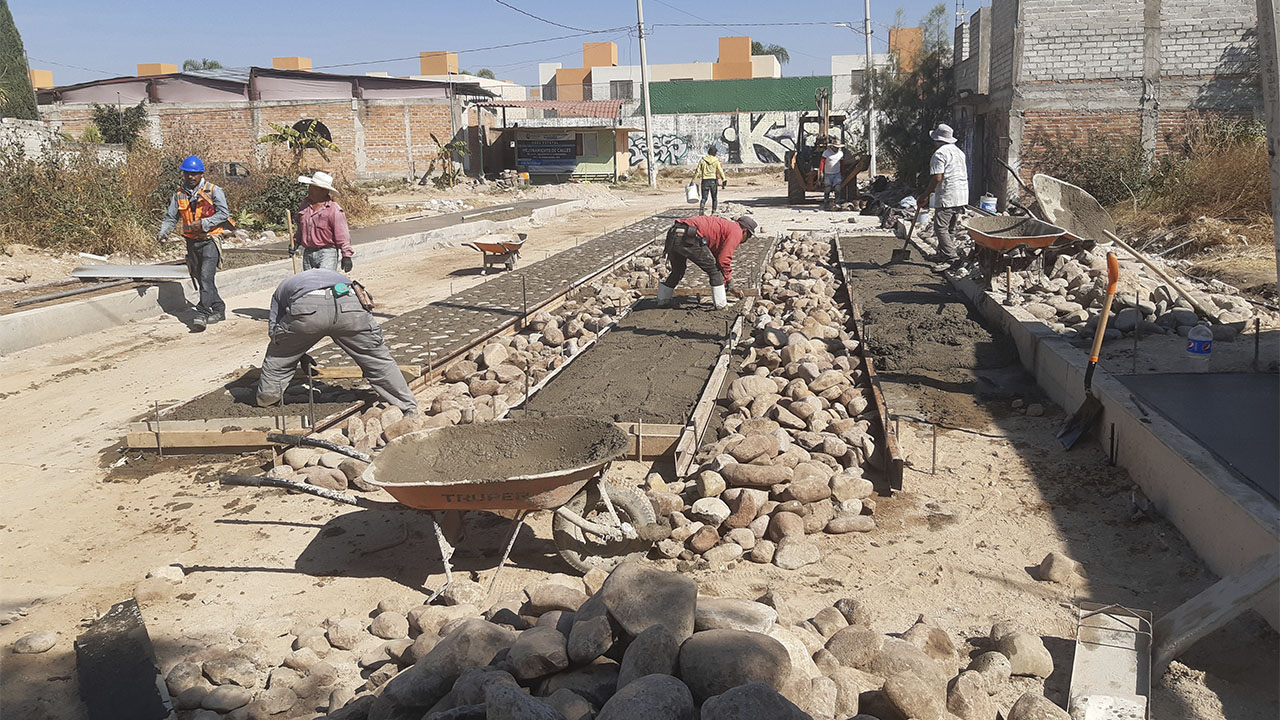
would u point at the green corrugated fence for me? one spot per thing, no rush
(754, 95)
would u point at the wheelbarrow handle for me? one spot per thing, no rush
(264, 481)
(297, 440)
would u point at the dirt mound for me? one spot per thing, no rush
(495, 451)
(598, 197)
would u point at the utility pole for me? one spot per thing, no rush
(869, 87)
(1269, 71)
(644, 89)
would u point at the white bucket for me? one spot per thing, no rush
(987, 202)
(691, 193)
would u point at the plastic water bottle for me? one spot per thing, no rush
(1199, 347)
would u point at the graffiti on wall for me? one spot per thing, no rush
(758, 137)
(741, 138)
(667, 149)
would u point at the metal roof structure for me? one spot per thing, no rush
(608, 109)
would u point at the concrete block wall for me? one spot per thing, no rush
(1100, 40)
(1208, 38)
(1004, 21)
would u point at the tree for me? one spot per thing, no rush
(298, 141)
(201, 64)
(120, 126)
(17, 97)
(759, 48)
(449, 174)
(486, 73)
(911, 104)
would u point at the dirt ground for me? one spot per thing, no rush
(959, 545)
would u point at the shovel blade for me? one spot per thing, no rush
(1080, 423)
(901, 255)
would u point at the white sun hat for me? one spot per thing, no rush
(943, 133)
(319, 179)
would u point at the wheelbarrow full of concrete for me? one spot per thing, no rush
(499, 250)
(511, 467)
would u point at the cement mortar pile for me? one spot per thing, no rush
(634, 644)
(791, 452)
(486, 383)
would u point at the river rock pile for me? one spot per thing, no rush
(1069, 297)
(789, 458)
(635, 644)
(485, 384)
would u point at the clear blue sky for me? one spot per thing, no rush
(109, 39)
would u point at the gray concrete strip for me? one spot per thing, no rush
(38, 326)
(1226, 520)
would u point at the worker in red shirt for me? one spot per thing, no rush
(709, 242)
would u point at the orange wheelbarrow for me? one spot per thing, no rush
(449, 470)
(499, 251)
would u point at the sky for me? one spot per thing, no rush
(83, 40)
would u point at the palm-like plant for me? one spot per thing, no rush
(298, 141)
(444, 155)
(759, 48)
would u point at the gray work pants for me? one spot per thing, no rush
(202, 261)
(684, 245)
(945, 221)
(315, 316)
(323, 258)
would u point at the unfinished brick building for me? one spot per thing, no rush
(383, 125)
(1029, 70)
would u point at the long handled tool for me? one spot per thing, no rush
(1091, 408)
(904, 254)
(293, 247)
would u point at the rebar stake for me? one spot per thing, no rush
(934, 470)
(159, 443)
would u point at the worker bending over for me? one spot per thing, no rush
(314, 304)
(202, 207)
(709, 242)
(322, 231)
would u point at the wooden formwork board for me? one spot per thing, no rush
(889, 433)
(700, 418)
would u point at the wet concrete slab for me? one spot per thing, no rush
(1235, 416)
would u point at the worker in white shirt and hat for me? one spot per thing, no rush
(949, 182)
(322, 232)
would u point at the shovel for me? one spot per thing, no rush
(904, 253)
(1084, 418)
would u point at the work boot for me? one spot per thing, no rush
(664, 295)
(718, 298)
(199, 322)
(214, 317)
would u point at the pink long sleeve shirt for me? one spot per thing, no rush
(323, 226)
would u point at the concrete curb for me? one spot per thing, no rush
(38, 326)
(1228, 523)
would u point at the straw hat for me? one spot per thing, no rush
(319, 179)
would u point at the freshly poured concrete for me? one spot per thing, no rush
(1234, 415)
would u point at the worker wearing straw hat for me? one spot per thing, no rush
(322, 231)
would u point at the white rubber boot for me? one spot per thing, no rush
(664, 295)
(718, 297)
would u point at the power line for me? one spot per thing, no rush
(541, 19)
(76, 67)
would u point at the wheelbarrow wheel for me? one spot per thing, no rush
(584, 551)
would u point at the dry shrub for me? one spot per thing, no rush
(1222, 173)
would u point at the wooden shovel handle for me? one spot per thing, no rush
(1113, 276)
(1160, 273)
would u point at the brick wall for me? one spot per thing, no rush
(370, 136)
(1066, 41)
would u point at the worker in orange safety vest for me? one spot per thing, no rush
(202, 208)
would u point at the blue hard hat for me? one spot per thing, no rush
(192, 164)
